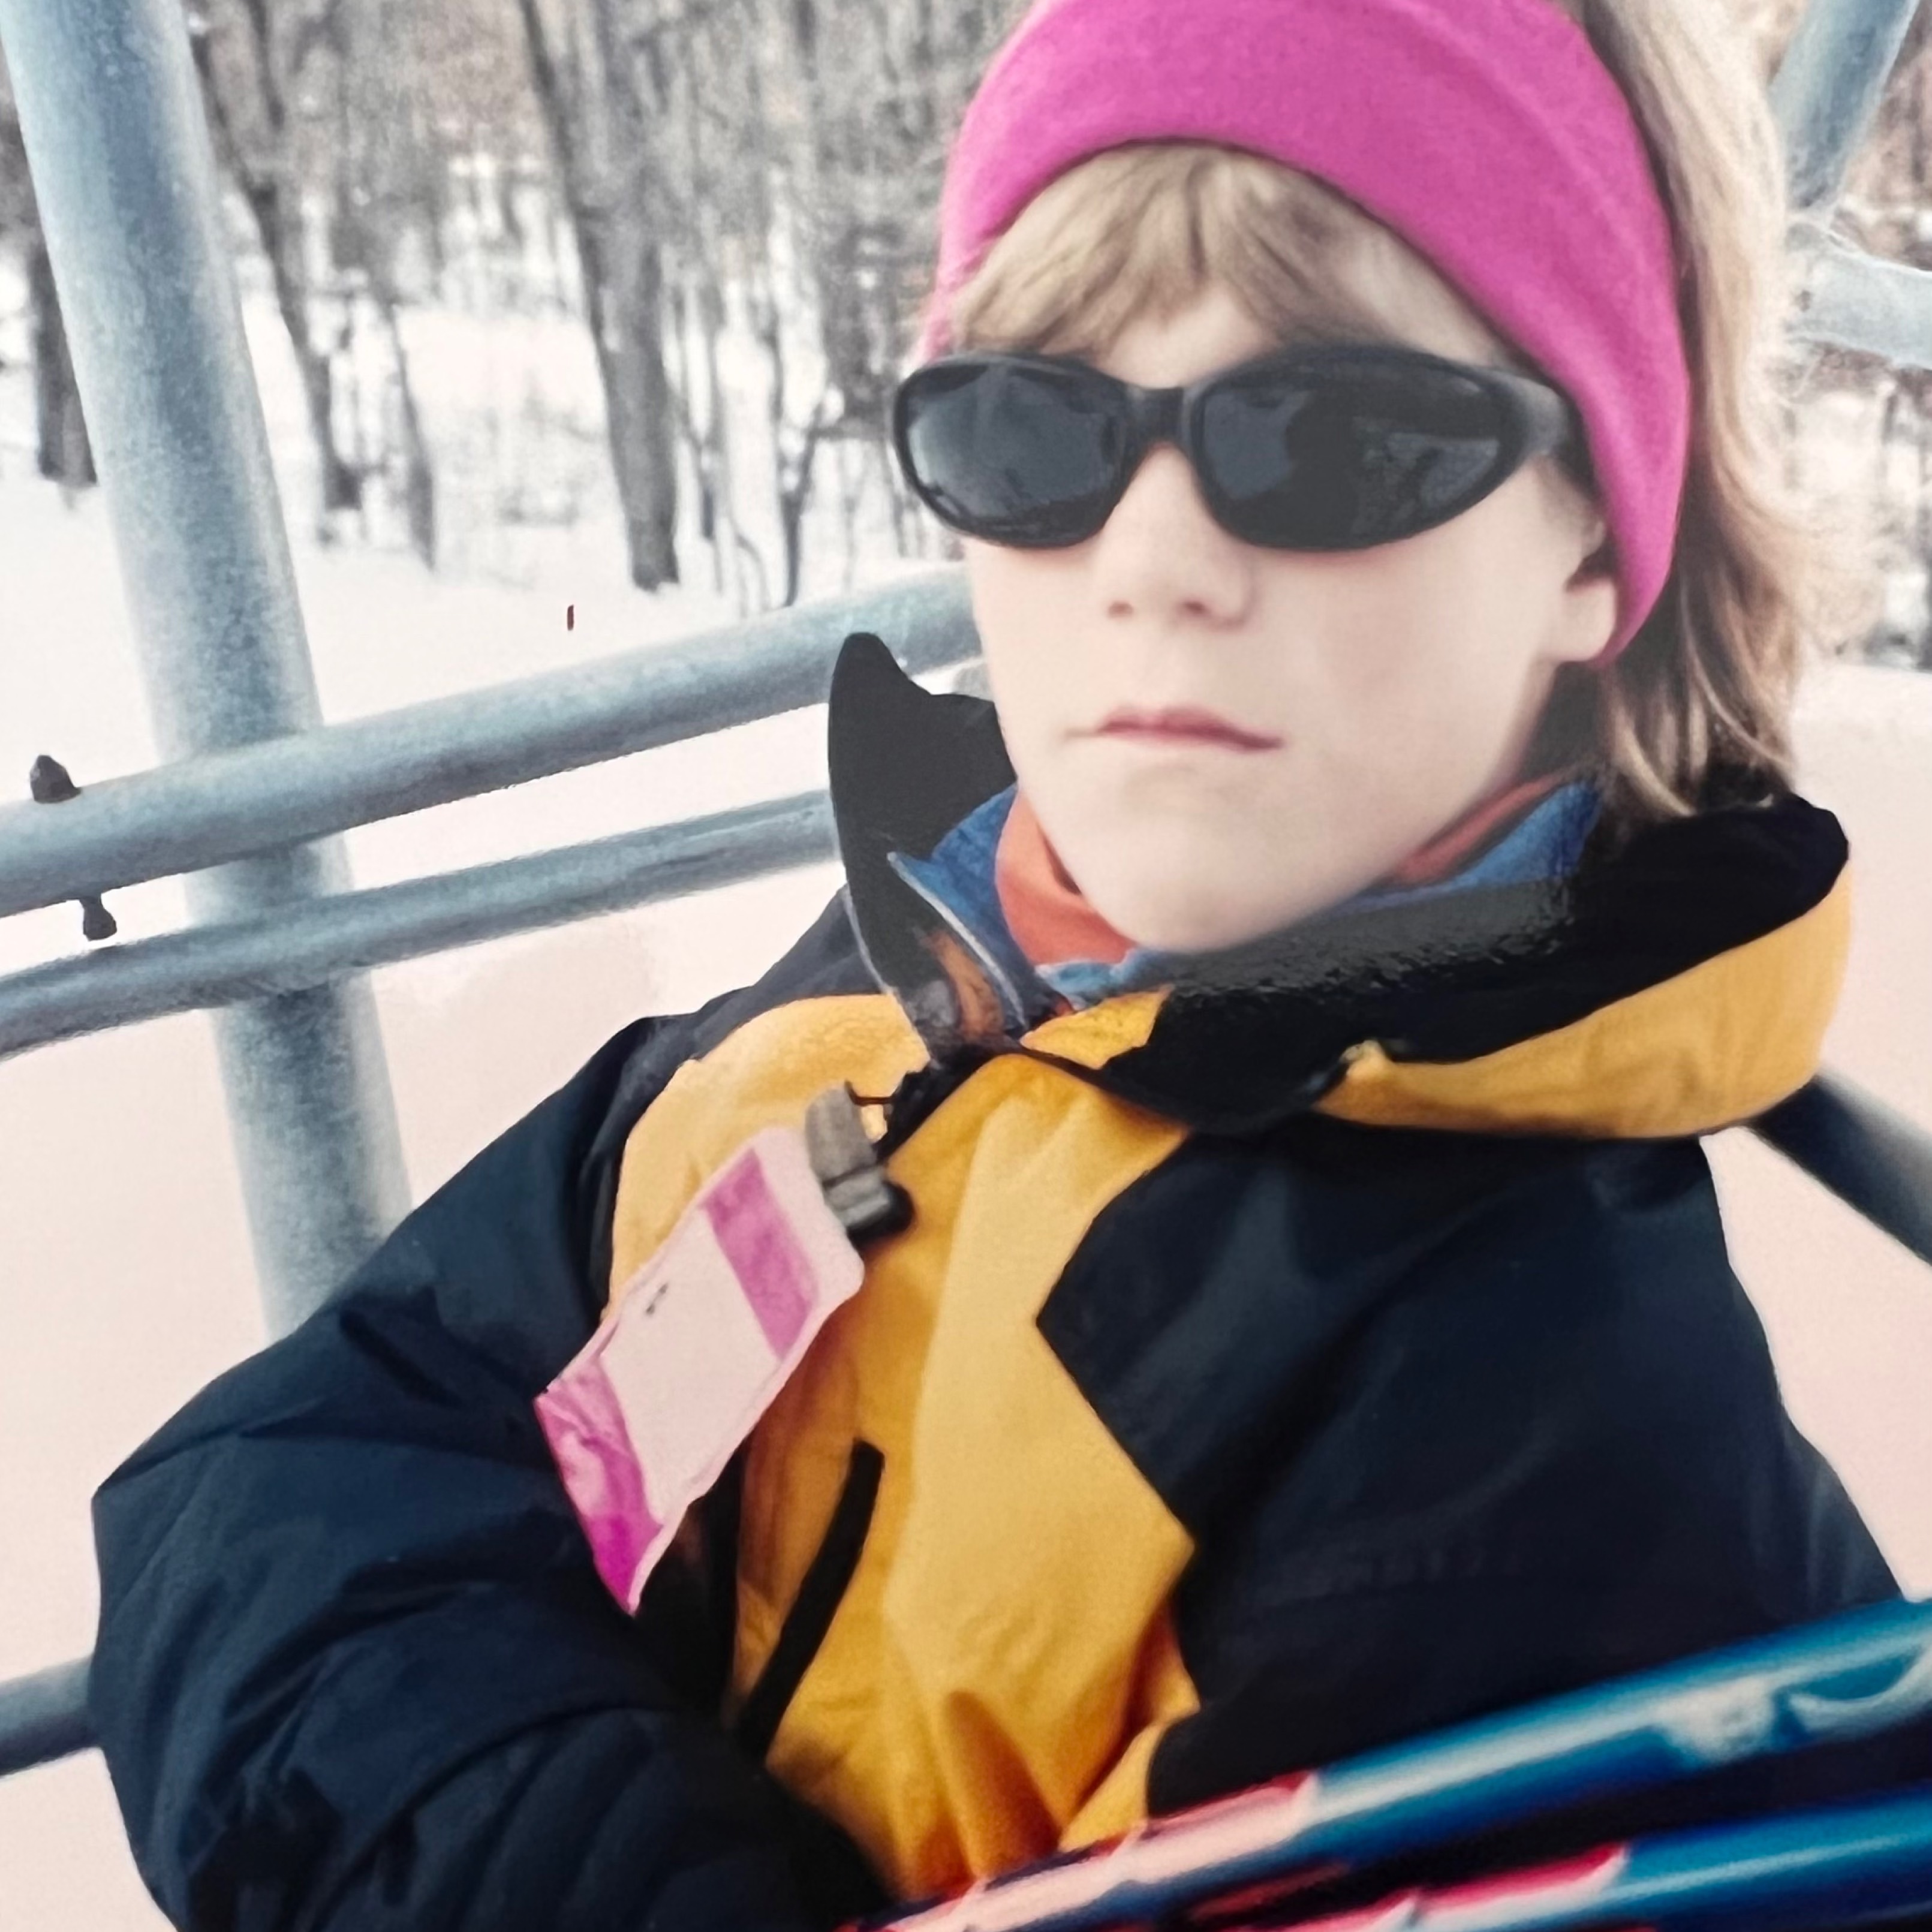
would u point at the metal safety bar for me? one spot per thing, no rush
(316, 943)
(1855, 301)
(212, 809)
(44, 1716)
(1825, 95)
(117, 148)
(116, 136)
(1870, 1155)
(1827, 89)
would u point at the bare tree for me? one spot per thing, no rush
(388, 182)
(588, 88)
(62, 452)
(251, 55)
(862, 100)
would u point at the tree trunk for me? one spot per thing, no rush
(274, 201)
(717, 433)
(282, 241)
(418, 471)
(64, 454)
(627, 317)
(695, 446)
(597, 141)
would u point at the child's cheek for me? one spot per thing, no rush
(1026, 607)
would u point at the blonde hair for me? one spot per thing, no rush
(1708, 685)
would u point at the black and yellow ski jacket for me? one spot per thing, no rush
(1332, 1343)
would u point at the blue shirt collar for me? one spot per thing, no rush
(959, 881)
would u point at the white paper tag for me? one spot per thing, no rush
(644, 1419)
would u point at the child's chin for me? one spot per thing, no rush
(1156, 916)
(1185, 910)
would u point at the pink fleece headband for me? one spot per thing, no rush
(1485, 133)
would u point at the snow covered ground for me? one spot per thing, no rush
(124, 1277)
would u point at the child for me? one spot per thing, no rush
(1294, 1001)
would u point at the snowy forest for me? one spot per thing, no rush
(642, 273)
(715, 210)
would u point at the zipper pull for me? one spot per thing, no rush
(918, 1095)
(867, 1201)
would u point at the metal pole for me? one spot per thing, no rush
(44, 1716)
(1884, 308)
(209, 810)
(1871, 1156)
(317, 943)
(111, 114)
(1827, 91)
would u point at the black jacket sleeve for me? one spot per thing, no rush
(355, 1667)
(1545, 1449)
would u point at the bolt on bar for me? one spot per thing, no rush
(219, 807)
(322, 941)
(117, 143)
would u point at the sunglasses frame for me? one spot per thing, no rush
(1533, 418)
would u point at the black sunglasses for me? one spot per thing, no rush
(1332, 448)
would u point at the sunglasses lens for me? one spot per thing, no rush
(1013, 453)
(1351, 457)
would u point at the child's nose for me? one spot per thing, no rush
(1162, 557)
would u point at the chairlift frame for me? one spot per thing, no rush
(255, 790)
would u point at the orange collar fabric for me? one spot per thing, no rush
(1052, 920)
(1045, 911)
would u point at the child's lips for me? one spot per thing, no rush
(1180, 724)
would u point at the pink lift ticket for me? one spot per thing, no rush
(707, 1331)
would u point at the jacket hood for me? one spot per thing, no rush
(1677, 983)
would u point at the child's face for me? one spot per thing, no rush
(1393, 688)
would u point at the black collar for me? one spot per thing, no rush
(1250, 1035)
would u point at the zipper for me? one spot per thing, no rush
(827, 1577)
(918, 1097)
